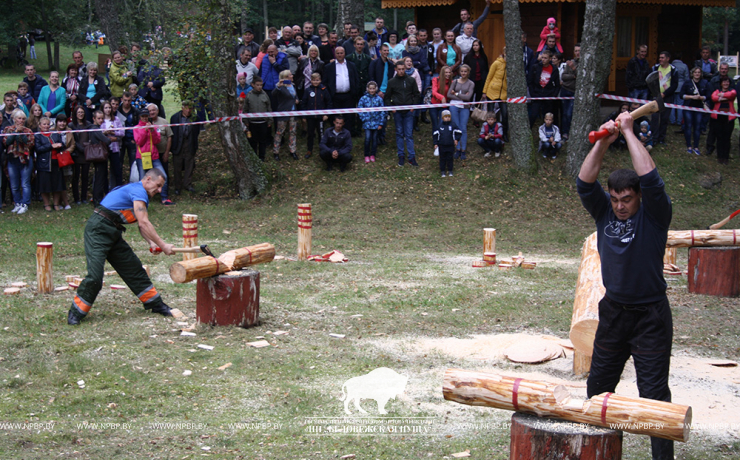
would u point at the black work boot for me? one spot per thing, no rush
(162, 309)
(74, 316)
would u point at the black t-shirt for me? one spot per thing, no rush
(631, 251)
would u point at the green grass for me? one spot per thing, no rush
(411, 238)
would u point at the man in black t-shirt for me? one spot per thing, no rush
(632, 221)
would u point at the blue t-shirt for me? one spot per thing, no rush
(632, 250)
(121, 201)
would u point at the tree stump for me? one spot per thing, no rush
(535, 438)
(44, 262)
(714, 271)
(229, 299)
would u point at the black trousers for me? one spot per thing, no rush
(80, 181)
(313, 127)
(100, 181)
(345, 101)
(659, 124)
(645, 332)
(260, 138)
(446, 161)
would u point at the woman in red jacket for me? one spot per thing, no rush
(440, 86)
(724, 101)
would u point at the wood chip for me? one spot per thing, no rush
(186, 373)
(70, 278)
(61, 288)
(336, 336)
(259, 344)
(19, 284)
(533, 351)
(176, 313)
(205, 347)
(464, 454)
(110, 273)
(348, 456)
(279, 258)
(11, 291)
(224, 367)
(722, 363)
(73, 285)
(480, 264)
(279, 332)
(187, 334)
(117, 286)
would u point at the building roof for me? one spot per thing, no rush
(417, 3)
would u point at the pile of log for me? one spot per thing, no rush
(204, 267)
(517, 262)
(634, 415)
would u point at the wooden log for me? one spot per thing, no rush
(689, 238)
(714, 271)
(535, 438)
(670, 256)
(305, 226)
(480, 264)
(489, 240)
(581, 363)
(490, 257)
(189, 234)
(544, 399)
(203, 267)
(229, 299)
(589, 291)
(44, 256)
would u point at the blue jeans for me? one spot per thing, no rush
(20, 180)
(165, 166)
(692, 126)
(404, 132)
(371, 142)
(639, 93)
(137, 171)
(677, 114)
(460, 117)
(567, 106)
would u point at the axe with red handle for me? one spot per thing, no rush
(724, 221)
(653, 84)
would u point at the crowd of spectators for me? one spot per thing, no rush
(310, 67)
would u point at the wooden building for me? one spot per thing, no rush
(671, 25)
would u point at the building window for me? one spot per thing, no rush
(631, 32)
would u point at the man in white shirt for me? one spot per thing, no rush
(466, 39)
(343, 82)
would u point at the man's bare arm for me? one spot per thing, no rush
(641, 159)
(147, 229)
(592, 164)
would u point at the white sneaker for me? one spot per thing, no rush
(487, 155)
(22, 209)
(16, 208)
(498, 154)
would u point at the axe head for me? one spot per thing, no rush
(206, 251)
(653, 83)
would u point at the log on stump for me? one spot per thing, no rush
(44, 257)
(203, 267)
(535, 438)
(305, 225)
(690, 238)
(544, 399)
(589, 291)
(715, 271)
(229, 299)
(189, 234)
(489, 240)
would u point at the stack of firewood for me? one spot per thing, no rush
(517, 261)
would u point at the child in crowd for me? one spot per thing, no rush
(549, 138)
(315, 97)
(258, 128)
(372, 122)
(645, 135)
(491, 136)
(23, 96)
(242, 87)
(445, 139)
(550, 29)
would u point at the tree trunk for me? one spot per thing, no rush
(47, 35)
(520, 136)
(592, 74)
(107, 13)
(56, 54)
(350, 11)
(246, 165)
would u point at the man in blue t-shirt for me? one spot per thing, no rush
(632, 221)
(104, 241)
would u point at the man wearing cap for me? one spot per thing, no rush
(247, 43)
(104, 241)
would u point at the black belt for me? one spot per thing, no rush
(110, 217)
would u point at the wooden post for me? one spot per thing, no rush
(638, 415)
(305, 224)
(535, 438)
(589, 292)
(714, 271)
(229, 299)
(670, 256)
(44, 256)
(489, 240)
(189, 234)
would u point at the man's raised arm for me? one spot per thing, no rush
(641, 159)
(592, 164)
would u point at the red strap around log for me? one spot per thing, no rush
(515, 394)
(603, 408)
(692, 237)
(734, 238)
(190, 236)
(250, 255)
(217, 266)
(305, 226)
(189, 222)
